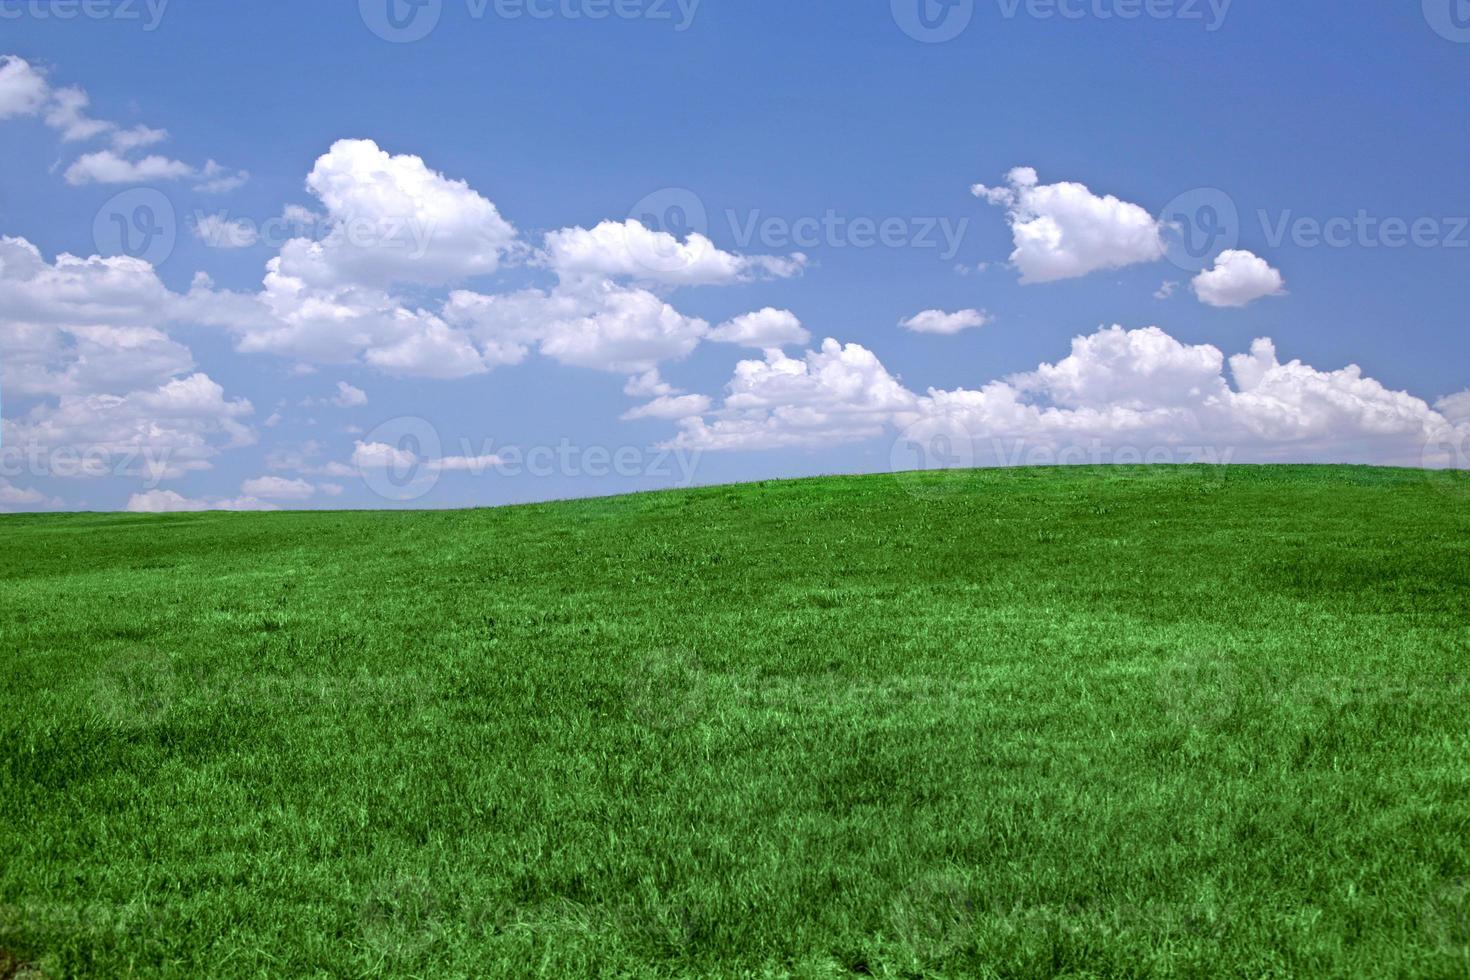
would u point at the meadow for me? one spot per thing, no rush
(1134, 722)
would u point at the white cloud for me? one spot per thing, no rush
(1239, 278)
(82, 326)
(169, 502)
(1135, 389)
(217, 231)
(1455, 407)
(1063, 230)
(648, 385)
(838, 394)
(465, 464)
(23, 90)
(174, 429)
(940, 322)
(349, 397)
(106, 167)
(381, 456)
(393, 220)
(13, 495)
(764, 328)
(670, 407)
(85, 338)
(278, 488)
(67, 115)
(125, 140)
(1166, 291)
(215, 179)
(629, 249)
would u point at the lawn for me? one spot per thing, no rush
(1019, 723)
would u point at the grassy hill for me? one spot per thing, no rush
(1023, 723)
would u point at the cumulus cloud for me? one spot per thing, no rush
(1239, 278)
(25, 91)
(349, 396)
(1455, 407)
(12, 495)
(217, 231)
(278, 488)
(834, 395)
(629, 249)
(106, 167)
(1064, 230)
(170, 502)
(80, 326)
(764, 328)
(595, 324)
(83, 341)
(1134, 389)
(213, 178)
(670, 407)
(381, 456)
(394, 220)
(163, 433)
(940, 322)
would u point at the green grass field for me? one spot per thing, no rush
(1021, 723)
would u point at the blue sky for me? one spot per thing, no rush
(768, 115)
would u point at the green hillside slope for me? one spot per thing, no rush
(1023, 723)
